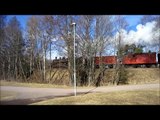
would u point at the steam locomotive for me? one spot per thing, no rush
(129, 60)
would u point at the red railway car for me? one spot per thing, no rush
(108, 61)
(146, 59)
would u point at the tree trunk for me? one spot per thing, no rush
(50, 62)
(9, 66)
(44, 65)
(3, 69)
(16, 70)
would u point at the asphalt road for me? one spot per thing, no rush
(27, 95)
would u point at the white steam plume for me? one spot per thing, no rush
(143, 35)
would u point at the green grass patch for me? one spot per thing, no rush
(143, 97)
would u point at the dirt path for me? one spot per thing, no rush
(28, 95)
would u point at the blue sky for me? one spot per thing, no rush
(132, 20)
(22, 18)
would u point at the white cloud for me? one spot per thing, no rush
(142, 35)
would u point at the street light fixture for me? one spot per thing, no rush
(74, 70)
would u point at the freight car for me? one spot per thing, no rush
(108, 61)
(129, 60)
(140, 60)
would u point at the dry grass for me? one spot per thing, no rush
(35, 85)
(143, 97)
(7, 95)
(57, 76)
(143, 75)
(136, 75)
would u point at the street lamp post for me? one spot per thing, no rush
(74, 70)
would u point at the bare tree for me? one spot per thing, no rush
(85, 39)
(48, 31)
(93, 35)
(14, 44)
(2, 46)
(103, 33)
(33, 45)
(120, 24)
(40, 35)
(65, 39)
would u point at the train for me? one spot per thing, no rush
(130, 60)
(62, 62)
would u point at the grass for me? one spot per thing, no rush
(35, 85)
(143, 97)
(137, 75)
(143, 75)
(7, 95)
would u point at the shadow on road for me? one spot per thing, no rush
(34, 100)
(90, 91)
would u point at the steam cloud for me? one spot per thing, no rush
(143, 35)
